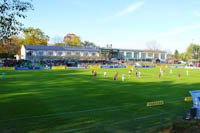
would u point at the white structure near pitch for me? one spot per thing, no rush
(35, 53)
(196, 101)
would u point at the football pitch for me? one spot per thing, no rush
(34, 101)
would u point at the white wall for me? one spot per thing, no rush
(23, 53)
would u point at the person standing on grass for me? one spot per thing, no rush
(132, 69)
(129, 72)
(65, 67)
(95, 74)
(161, 72)
(3, 75)
(179, 75)
(187, 73)
(46, 67)
(105, 74)
(123, 77)
(159, 75)
(139, 74)
(136, 73)
(171, 71)
(115, 76)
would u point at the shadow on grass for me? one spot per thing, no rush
(43, 102)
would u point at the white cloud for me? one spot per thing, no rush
(178, 31)
(131, 8)
(197, 13)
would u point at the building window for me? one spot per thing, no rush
(156, 56)
(93, 54)
(136, 54)
(68, 53)
(121, 54)
(150, 54)
(143, 55)
(78, 53)
(29, 53)
(85, 54)
(59, 53)
(34, 53)
(40, 53)
(129, 54)
(50, 54)
(163, 56)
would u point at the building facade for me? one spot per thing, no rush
(142, 54)
(37, 53)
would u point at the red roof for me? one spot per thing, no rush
(69, 36)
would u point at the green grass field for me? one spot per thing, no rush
(35, 101)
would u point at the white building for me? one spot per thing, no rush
(142, 54)
(36, 53)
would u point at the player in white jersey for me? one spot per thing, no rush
(132, 69)
(139, 74)
(129, 72)
(171, 71)
(105, 74)
(123, 77)
(187, 73)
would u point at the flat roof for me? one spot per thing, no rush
(138, 50)
(60, 48)
(69, 48)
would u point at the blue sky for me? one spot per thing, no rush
(131, 24)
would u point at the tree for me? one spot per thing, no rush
(59, 44)
(182, 56)
(34, 37)
(193, 51)
(72, 40)
(87, 43)
(176, 54)
(10, 12)
(9, 48)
